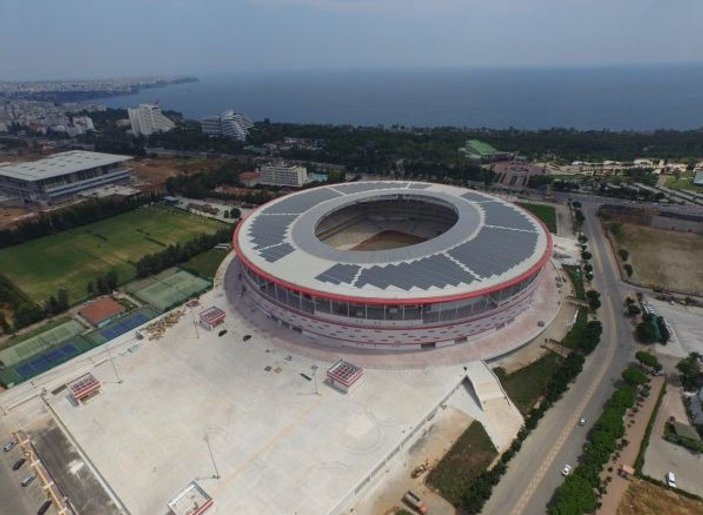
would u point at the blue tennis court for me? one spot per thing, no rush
(46, 361)
(124, 325)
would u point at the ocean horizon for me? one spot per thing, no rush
(641, 98)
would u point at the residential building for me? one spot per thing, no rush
(147, 119)
(62, 176)
(227, 124)
(283, 174)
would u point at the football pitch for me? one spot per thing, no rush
(73, 258)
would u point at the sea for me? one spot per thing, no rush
(642, 98)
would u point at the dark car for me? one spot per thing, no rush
(44, 507)
(246, 337)
(19, 463)
(222, 333)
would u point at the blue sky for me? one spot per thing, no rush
(94, 38)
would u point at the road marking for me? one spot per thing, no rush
(559, 444)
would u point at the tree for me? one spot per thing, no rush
(588, 267)
(235, 213)
(645, 332)
(691, 373)
(62, 299)
(633, 310)
(593, 298)
(634, 377)
(628, 269)
(585, 255)
(90, 289)
(624, 254)
(648, 360)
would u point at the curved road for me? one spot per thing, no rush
(535, 472)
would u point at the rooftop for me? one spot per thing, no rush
(491, 243)
(60, 164)
(100, 310)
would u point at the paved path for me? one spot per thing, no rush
(634, 434)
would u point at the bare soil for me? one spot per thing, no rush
(157, 170)
(644, 498)
(667, 259)
(12, 216)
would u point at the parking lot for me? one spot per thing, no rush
(18, 500)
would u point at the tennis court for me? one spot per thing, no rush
(168, 291)
(41, 342)
(46, 361)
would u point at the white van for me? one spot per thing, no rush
(671, 479)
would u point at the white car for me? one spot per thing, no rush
(566, 470)
(582, 421)
(670, 479)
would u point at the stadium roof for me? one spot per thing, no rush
(492, 245)
(60, 164)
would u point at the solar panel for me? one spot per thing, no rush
(301, 202)
(475, 197)
(276, 252)
(505, 216)
(339, 273)
(434, 271)
(267, 230)
(357, 187)
(494, 251)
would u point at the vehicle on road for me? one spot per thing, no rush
(566, 470)
(28, 479)
(246, 337)
(44, 507)
(670, 479)
(582, 421)
(413, 500)
(19, 463)
(222, 333)
(9, 445)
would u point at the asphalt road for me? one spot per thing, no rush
(535, 473)
(14, 499)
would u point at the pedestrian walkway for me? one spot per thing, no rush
(634, 434)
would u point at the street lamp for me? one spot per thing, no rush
(314, 377)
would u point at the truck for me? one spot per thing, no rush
(413, 500)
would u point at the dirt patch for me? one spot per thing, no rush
(644, 498)
(157, 170)
(389, 239)
(13, 216)
(668, 259)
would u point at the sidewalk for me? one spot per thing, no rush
(633, 434)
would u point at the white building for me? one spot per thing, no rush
(228, 124)
(147, 119)
(283, 174)
(62, 176)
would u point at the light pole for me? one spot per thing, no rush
(112, 362)
(212, 456)
(314, 378)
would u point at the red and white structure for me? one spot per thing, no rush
(84, 387)
(344, 375)
(212, 317)
(391, 265)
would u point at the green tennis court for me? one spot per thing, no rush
(40, 342)
(168, 291)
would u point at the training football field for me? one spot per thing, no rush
(73, 258)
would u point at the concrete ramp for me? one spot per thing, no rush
(499, 416)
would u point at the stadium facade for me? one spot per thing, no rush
(391, 265)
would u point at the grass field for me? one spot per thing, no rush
(644, 498)
(685, 182)
(206, 263)
(468, 457)
(72, 259)
(547, 214)
(668, 259)
(526, 386)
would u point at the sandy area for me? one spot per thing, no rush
(643, 498)
(669, 259)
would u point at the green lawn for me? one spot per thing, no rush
(685, 182)
(468, 457)
(576, 332)
(526, 386)
(547, 214)
(72, 259)
(206, 263)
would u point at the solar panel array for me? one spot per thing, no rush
(505, 216)
(276, 252)
(267, 230)
(358, 187)
(338, 274)
(434, 271)
(494, 251)
(300, 203)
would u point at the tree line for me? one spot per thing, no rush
(179, 253)
(51, 222)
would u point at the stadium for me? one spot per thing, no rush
(391, 265)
